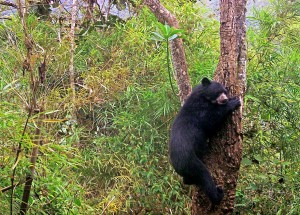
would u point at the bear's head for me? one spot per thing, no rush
(214, 92)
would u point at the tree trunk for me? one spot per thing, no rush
(33, 107)
(72, 71)
(224, 159)
(29, 178)
(72, 49)
(177, 50)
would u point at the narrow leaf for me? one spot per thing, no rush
(16, 163)
(54, 120)
(173, 37)
(157, 36)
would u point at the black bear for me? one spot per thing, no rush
(200, 117)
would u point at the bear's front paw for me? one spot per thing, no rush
(235, 102)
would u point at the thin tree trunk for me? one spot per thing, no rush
(226, 154)
(33, 159)
(33, 108)
(177, 49)
(72, 67)
(72, 49)
(89, 10)
(27, 67)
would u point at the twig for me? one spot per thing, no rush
(6, 3)
(9, 187)
(110, 201)
(8, 18)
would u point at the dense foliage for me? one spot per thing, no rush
(113, 158)
(270, 177)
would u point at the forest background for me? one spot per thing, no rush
(103, 139)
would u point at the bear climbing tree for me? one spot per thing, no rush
(199, 119)
(231, 72)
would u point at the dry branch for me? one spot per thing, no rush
(10, 4)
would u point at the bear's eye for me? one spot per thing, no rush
(221, 92)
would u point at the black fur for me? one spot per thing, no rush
(199, 118)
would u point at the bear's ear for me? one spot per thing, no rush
(205, 82)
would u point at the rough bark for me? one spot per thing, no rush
(177, 49)
(224, 159)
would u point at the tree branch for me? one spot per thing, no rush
(10, 4)
(177, 49)
(9, 187)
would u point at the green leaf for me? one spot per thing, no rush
(173, 37)
(162, 28)
(286, 163)
(77, 202)
(176, 31)
(157, 36)
(258, 157)
(279, 212)
(166, 32)
(246, 162)
(167, 29)
(253, 186)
